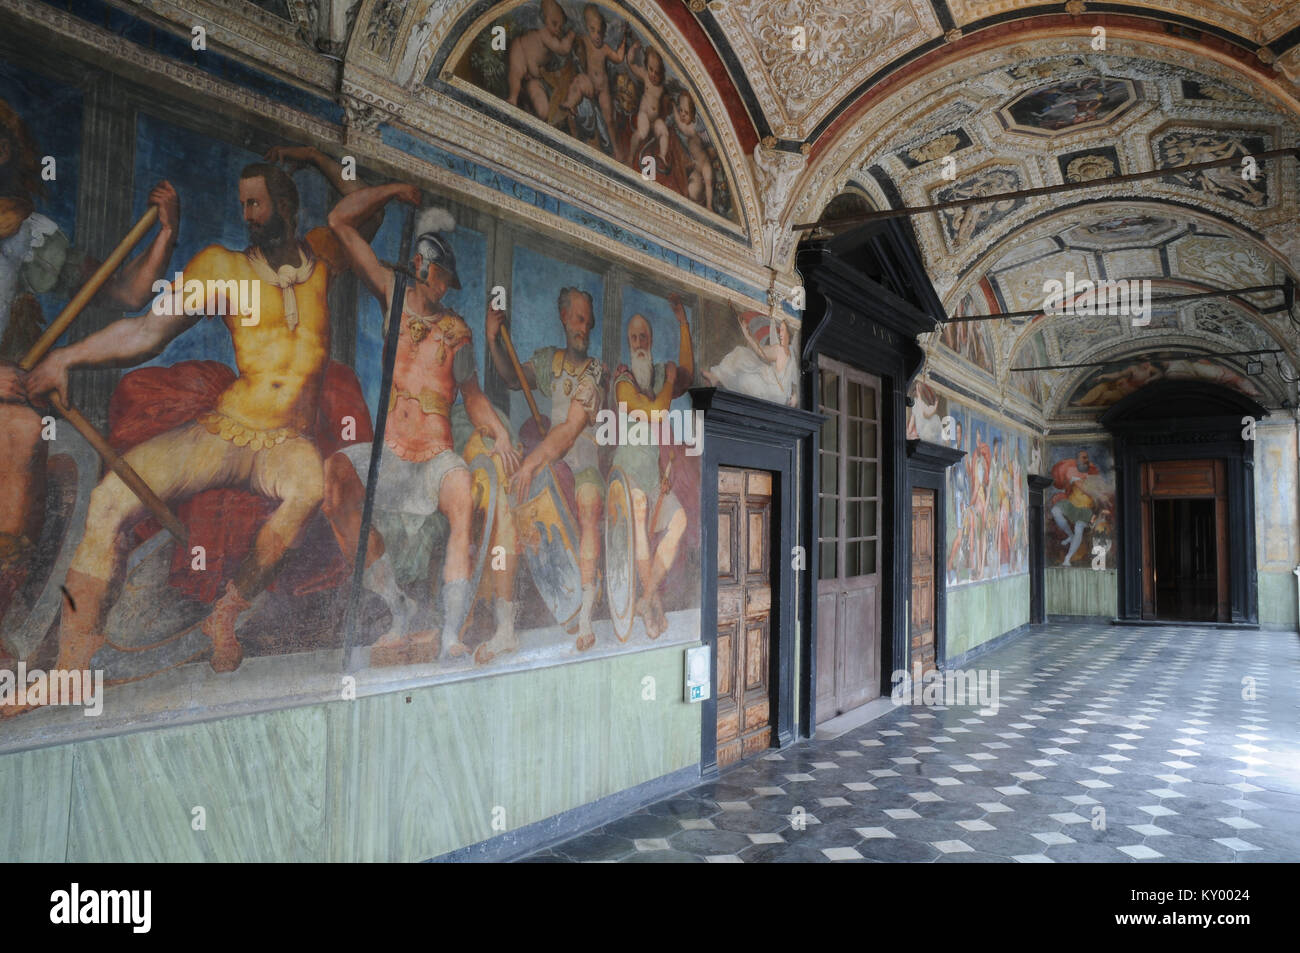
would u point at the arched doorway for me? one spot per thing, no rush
(1185, 499)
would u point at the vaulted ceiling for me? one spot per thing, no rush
(912, 102)
(917, 102)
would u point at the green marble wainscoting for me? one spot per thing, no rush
(402, 776)
(1277, 599)
(1081, 592)
(974, 614)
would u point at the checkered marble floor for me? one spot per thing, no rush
(1111, 744)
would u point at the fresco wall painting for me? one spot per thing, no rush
(986, 500)
(594, 74)
(505, 531)
(1080, 505)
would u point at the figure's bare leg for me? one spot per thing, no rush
(22, 471)
(518, 67)
(23, 456)
(641, 550)
(639, 137)
(661, 133)
(591, 508)
(293, 473)
(705, 168)
(606, 103)
(456, 502)
(342, 505)
(345, 497)
(695, 187)
(537, 96)
(579, 89)
(503, 588)
(665, 556)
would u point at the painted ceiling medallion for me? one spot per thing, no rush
(1070, 105)
(1139, 230)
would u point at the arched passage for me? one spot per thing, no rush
(1185, 503)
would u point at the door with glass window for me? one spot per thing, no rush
(848, 587)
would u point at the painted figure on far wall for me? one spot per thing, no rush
(642, 385)
(256, 435)
(925, 416)
(575, 384)
(36, 258)
(764, 366)
(420, 472)
(1081, 503)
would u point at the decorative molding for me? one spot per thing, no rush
(776, 172)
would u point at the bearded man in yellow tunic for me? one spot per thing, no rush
(253, 438)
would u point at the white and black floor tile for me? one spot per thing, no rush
(1114, 745)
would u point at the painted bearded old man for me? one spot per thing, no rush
(37, 258)
(575, 384)
(255, 437)
(649, 387)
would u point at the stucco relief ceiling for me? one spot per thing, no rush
(1068, 118)
(1180, 253)
(1258, 20)
(1045, 112)
(803, 57)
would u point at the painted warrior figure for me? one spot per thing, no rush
(420, 472)
(254, 437)
(575, 384)
(1073, 509)
(37, 258)
(650, 388)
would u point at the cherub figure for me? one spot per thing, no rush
(694, 137)
(529, 53)
(652, 76)
(593, 83)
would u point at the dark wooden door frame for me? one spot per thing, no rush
(1185, 420)
(1037, 551)
(1147, 500)
(754, 434)
(870, 323)
(927, 468)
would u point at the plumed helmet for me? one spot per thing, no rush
(434, 249)
(432, 245)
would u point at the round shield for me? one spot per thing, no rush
(548, 534)
(620, 555)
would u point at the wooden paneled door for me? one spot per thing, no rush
(848, 587)
(923, 593)
(744, 644)
(1185, 541)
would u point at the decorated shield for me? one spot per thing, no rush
(487, 475)
(620, 555)
(548, 534)
(72, 469)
